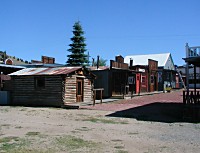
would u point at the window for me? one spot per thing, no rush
(131, 80)
(39, 82)
(159, 77)
(143, 81)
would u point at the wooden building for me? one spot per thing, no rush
(116, 80)
(10, 60)
(191, 97)
(51, 86)
(180, 81)
(166, 68)
(146, 76)
(5, 82)
(182, 71)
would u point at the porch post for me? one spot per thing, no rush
(195, 85)
(187, 71)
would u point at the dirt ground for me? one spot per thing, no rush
(28, 129)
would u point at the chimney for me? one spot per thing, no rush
(92, 61)
(48, 60)
(97, 62)
(131, 62)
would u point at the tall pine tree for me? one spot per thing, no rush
(77, 47)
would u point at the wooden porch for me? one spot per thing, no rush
(191, 97)
(191, 101)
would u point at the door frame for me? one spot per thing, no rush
(79, 89)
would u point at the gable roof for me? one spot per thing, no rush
(46, 71)
(143, 59)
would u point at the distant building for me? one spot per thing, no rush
(113, 79)
(46, 61)
(166, 67)
(11, 60)
(146, 77)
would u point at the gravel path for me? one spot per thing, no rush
(28, 129)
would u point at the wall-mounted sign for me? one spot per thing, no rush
(141, 70)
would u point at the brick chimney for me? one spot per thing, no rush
(48, 60)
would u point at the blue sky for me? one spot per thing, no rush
(32, 28)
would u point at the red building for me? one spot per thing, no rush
(146, 77)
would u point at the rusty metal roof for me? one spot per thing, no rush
(46, 71)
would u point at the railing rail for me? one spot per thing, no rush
(191, 97)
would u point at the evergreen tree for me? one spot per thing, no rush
(102, 62)
(77, 47)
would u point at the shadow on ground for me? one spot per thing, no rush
(155, 112)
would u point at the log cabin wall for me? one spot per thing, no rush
(70, 89)
(25, 91)
(87, 90)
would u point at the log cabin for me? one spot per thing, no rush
(57, 86)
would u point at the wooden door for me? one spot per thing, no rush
(152, 83)
(137, 83)
(79, 90)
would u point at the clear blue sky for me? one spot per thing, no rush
(32, 28)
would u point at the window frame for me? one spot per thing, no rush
(143, 81)
(39, 83)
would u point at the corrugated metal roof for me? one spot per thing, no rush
(46, 71)
(143, 59)
(37, 65)
(11, 66)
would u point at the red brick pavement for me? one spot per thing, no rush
(174, 97)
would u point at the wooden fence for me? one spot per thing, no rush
(191, 97)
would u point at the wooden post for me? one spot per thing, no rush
(184, 99)
(191, 97)
(101, 95)
(197, 97)
(94, 97)
(195, 85)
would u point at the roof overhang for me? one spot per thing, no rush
(193, 60)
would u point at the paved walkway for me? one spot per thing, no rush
(121, 104)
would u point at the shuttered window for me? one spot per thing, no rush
(39, 82)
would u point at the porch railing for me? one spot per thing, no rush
(191, 111)
(191, 97)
